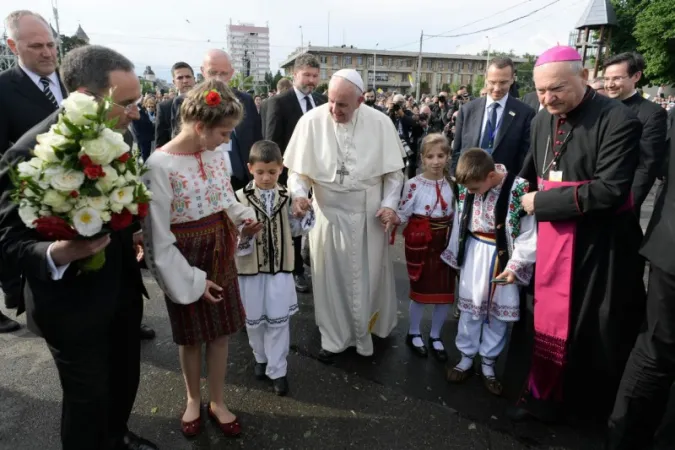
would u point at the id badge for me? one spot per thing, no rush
(555, 175)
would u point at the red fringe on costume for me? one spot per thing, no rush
(209, 244)
(432, 281)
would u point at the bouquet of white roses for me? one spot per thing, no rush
(83, 179)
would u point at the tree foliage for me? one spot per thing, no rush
(70, 42)
(241, 82)
(278, 76)
(478, 83)
(655, 33)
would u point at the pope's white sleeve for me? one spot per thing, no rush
(299, 185)
(392, 186)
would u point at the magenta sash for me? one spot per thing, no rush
(552, 299)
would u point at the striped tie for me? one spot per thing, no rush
(48, 92)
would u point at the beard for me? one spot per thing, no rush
(306, 88)
(369, 102)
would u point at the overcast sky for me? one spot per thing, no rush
(161, 32)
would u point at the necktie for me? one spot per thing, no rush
(308, 104)
(487, 143)
(48, 92)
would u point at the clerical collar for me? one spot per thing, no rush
(631, 97)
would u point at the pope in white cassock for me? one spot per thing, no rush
(351, 157)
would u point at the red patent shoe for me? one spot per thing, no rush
(232, 429)
(192, 428)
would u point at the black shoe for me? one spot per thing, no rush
(259, 371)
(133, 442)
(301, 283)
(8, 325)
(12, 301)
(440, 355)
(280, 386)
(419, 351)
(326, 357)
(147, 333)
(516, 413)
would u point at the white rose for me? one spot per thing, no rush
(123, 195)
(121, 182)
(63, 208)
(144, 191)
(99, 203)
(108, 182)
(53, 198)
(52, 171)
(87, 221)
(130, 177)
(78, 105)
(61, 128)
(121, 167)
(108, 146)
(116, 207)
(26, 169)
(28, 214)
(29, 193)
(105, 216)
(67, 181)
(45, 212)
(133, 208)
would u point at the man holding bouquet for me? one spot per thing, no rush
(89, 317)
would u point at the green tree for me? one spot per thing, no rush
(424, 87)
(655, 33)
(70, 42)
(478, 83)
(276, 79)
(269, 80)
(623, 39)
(524, 73)
(495, 53)
(323, 87)
(241, 82)
(147, 87)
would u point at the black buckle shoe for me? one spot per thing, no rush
(280, 386)
(146, 332)
(8, 325)
(259, 370)
(419, 351)
(440, 355)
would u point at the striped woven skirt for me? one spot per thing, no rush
(209, 244)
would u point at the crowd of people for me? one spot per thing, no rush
(523, 214)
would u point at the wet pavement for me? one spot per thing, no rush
(393, 400)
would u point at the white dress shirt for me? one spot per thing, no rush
(54, 85)
(486, 113)
(301, 99)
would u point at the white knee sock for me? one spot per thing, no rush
(488, 367)
(416, 312)
(465, 363)
(438, 319)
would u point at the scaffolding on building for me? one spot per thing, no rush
(7, 58)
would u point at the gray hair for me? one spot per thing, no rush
(306, 60)
(13, 19)
(89, 67)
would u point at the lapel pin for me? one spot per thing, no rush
(511, 113)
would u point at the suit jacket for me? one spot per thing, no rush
(163, 124)
(22, 105)
(531, 99)
(654, 121)
(659, 243)
(283, 114)
(79, 304)
(263, 114)
(513, 137)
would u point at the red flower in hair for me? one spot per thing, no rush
(212, 97)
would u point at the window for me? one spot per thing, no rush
(348, 60)
(388, 63)
(323, 74)
(380, 61)
(440, 65)
(408, 62)
(470, 67)
(449, 79)
(335, 60)
(323, 59)
(379, 76)
(429, 64)
(359, 60)
(439, 80)
(481, 66)
(370, 61)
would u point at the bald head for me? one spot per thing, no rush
(217, 65)
(561, 86)
(30, 37)
(344, 97)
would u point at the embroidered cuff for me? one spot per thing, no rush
(450, 259)
(522, 270)
(245, 245)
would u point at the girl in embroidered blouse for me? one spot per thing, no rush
(191, 242)
(427, 207)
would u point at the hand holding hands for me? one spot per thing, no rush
(251, 228)
(507, 275)
(388, 217)
(300, 206)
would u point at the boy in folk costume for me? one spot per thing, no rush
(265, 264)
(493, 244)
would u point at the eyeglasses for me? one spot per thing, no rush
(130, 108)
(616, 79)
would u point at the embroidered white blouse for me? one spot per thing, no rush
(185, 188)
(420, 197)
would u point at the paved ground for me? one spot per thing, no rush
(392, 401)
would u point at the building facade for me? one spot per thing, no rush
(249, 48)
(395, 70)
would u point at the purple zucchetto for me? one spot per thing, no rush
(558, 53)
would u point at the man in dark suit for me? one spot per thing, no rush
(282, 86)
(650, 372)
(184, 79)
(531, 99)
(28, 94)
(622, 72)
(282, 116)
(90, 321)
(498, 123)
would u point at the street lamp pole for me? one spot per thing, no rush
(375, 68)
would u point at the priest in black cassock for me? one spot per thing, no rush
(622, 72)
(569, 349)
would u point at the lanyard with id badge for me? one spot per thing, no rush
(554, 174)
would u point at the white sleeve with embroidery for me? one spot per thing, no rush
(181, 282)
(407, 203)
(522, 260)
(449, 255)
(391, 192)
(301, 225)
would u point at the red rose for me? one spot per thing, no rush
(74, 194)
(213, 98)
(142, 210)
(86, 161)
(94, 171)
(124, 158)
(55, 228)
(121, 221)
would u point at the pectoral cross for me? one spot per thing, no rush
(342, 172)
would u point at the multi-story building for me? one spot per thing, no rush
(249, 48)
(396, 70)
